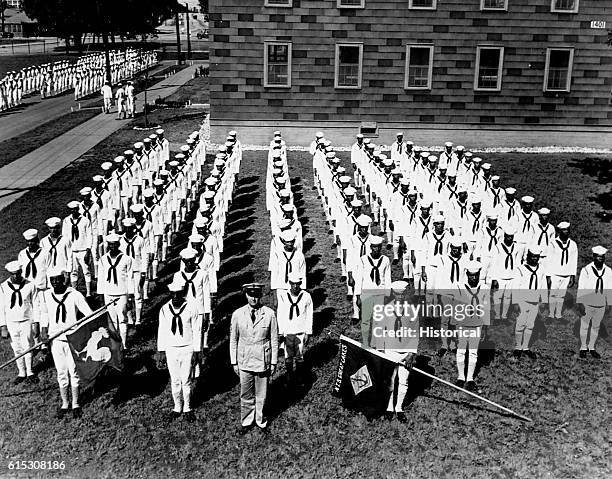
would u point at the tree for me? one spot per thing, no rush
(204, 6)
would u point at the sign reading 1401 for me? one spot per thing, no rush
(598, 24)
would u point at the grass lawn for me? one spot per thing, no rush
(124, 433)
(196, 90)
(17, 62)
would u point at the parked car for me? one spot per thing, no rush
(202, 34)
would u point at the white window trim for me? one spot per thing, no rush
(430, 72)
(500, 68)
(337, 65)
(554, 10)
(489, 9)
(339, 5)
(272, 3)
(289, 57)
(570, 68)
(434, 5)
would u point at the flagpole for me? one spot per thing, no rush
(93, 315)
(477, 396)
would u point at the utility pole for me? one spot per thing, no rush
(188, 32)
(178, 37)
(3, 6)
(105, 43)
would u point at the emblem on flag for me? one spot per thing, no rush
(361, 380)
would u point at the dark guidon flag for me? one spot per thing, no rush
(363, 380)
(95, 344)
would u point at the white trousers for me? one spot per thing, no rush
(558, 289)
(64, 364)
(402, 388)
(78, 261)
(471, 345)
(502, 297)
(21, 340)
(118, 314)
(591, 320)
(524, 324)
(179, 367)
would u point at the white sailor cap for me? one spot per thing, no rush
(295, 277)
(53, 222)
(544, 211)
(148, 193)
(492, 215)
(456, 241)
(468, 155)
(55, 271)
(366, 141)
(404, 181)
(327, 143)
(112, 238)
(486, 166)
(448, 144)
(281, 179)
(277, 133)
(599, 250)
(158, 182)
(527, 199)
(495, 178)
(376, 240)
(424, 154)
(287, 236)
(199, 222)
(128, 153)
(438, 219)
(210, 181)
(176, 285)
(413, 191)
(107, 165)
(535, 249)
(139, 145)
(160, 131)
(349, 191)
(13, 266)
(173, 163)
(287, 208)
(137, 208)
(364, 220)
(98, 178)
(331, 154)
(30, 234)
(426, 203)
(73, 204)
(510, 190)
(432, 158)
(188, 253)
(359, 136)
(563, 225)
(473, 267)
(233, 133)
(284, 193)
(398, 287)
(409, 143)
(119, 159)
(476, 159)
(86, 191)
(208, 195)
(164, 172)
(222, 149)
(319, 134)
(356, 203)
(185, 148)
(276, 153)
(460, 148)
(128, 222)
(399, 133)
(387, 162)
(197, 237)
(285, 223)
(475, 198)
(509, 229)
(344, 178)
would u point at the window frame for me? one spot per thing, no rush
(409, 46)
(489, 9)
(339, 4)
(570, 68)
(289, 59)
(555, 10)
(337, 66)
(434, 6)
(500, 67)
(273, 4)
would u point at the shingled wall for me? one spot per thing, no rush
(456, 28)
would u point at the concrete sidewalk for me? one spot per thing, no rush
(34, 112)
(29, 171)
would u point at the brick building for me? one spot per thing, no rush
(387, 64)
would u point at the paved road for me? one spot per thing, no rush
(29, 171)
(19, 47)
(34, 111)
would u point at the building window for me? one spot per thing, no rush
(349, 57)
(558, 72)
(489, 63)
(278, 3)
(350, 3)
(277, 65)
(419, 61)
(422, 4)
(493, 4)
(564, 6)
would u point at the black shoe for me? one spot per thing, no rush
(401, 417)
(389, 415)
(454, 350)
(583, 353)
(460, 383)
(516, 354)
(61, 412)
(76, 412)
(189, 416)
(595, 354)
(389, 246)
(174, 415)
(530, 354)
(442, 352)
(33, 379)
(19, 379)
(472, 387)
(395, 261)
(263, 430)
